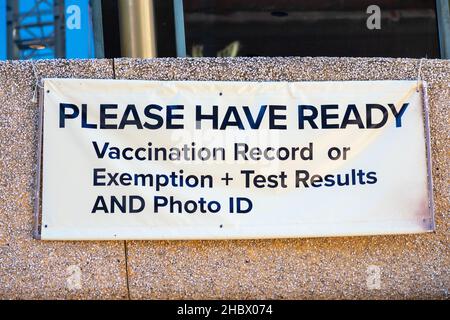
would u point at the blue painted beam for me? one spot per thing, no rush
(3, 51)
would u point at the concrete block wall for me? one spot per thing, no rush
(412, 266)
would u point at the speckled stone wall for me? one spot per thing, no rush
(29, 268)
(412, 266)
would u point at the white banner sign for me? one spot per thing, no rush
(227, 160)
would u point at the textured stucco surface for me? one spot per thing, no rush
(31, 268)
(412, 266)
